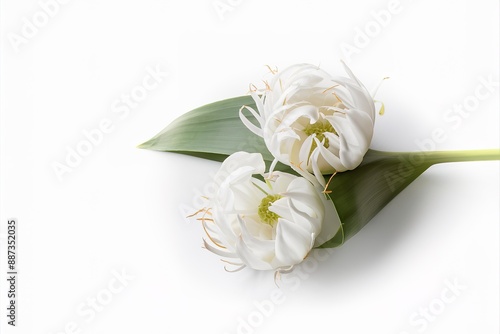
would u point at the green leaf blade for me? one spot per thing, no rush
(212, 129)
(361, 193)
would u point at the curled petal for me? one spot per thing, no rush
(293, 242)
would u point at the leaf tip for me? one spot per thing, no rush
(144, 145)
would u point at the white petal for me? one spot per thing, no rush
(305, 149)
(281, 181)
(259, 103)
(293, 242)
(262, 249)
(330, 158)
(305, 197)
(238, 160)
(331, 222)
(313, 224)
(218, 251)
(314, 163)
(281, 207)
(248, 257)
(307, 111)
(250, 126)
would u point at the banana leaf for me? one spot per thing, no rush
(214, 131)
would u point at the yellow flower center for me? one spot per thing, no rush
(265, 215)
(319, 128)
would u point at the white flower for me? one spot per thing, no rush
(263, 225)
(314, 122)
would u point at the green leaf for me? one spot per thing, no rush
(215, 131)
(361, 193)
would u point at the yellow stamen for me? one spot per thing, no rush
(266, 215)
(325, 191)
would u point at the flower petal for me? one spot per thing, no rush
(293, 243)
(248, 257)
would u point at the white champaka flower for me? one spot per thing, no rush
(314, 122)
(267, 223)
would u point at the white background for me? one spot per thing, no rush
(122, 208)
